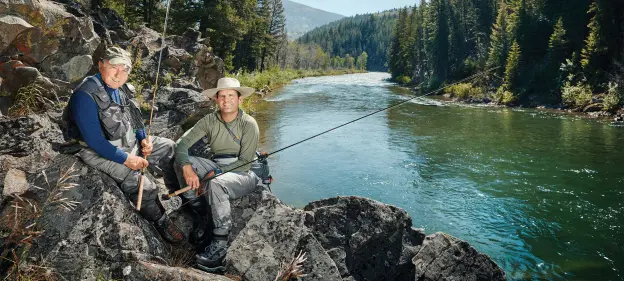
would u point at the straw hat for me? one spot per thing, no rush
(227, 83)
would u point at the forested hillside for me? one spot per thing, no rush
(547, 51)
(352, 36)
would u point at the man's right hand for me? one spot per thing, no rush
(190, 176)
(135, 162)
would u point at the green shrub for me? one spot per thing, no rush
(503, 96)
(577, 96)
(464, 91)
(404, 80)
(613, 98)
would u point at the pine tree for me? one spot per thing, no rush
(512, 68)
(550, 81)
(397, 63)
(273, 11)
(457, 43)
(418, 48)
(437, 41)
(557, 45)
(499, 42)
(593, 44)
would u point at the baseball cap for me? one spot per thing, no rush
(116, 55)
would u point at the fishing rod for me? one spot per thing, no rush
(209, 177)
(149, 128)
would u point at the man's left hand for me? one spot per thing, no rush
(146, 145)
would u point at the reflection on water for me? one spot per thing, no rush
(540, 193)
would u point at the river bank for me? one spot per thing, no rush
(268, 81)
(465, 93)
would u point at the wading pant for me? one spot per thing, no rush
(220, 190)
(161, 160)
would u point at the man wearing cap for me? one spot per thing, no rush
(233, 139)
(108, 123)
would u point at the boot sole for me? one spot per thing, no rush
(210, 269)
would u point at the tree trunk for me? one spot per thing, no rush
(262, 59)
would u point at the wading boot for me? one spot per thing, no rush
(211, 260)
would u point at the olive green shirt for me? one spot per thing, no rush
(221, 141)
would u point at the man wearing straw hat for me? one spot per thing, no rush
(103, 117)
(233, 139)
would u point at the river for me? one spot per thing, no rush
(541, 193)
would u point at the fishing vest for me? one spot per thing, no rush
(115, 119)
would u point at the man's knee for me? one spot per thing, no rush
(165, 144)
(131, 183)
(216, 192)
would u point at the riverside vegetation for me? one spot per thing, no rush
(545, 54)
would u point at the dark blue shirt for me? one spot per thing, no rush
(84, 112)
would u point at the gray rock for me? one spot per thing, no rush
(374, 241)
(28, 142)
(29, 11)
(270, 237)
(443, 257)
(101, 233)
(175, 107)
(77, 68)
(210, 68)
(140, 271)
(15, 183)
(320, 265)
(78, 39)
(11, 26)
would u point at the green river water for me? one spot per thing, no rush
(541, 193)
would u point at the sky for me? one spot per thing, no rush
(353, 7)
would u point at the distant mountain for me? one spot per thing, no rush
(301, 18)
(370, 33)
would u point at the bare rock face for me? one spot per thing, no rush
(367, 240)
(443, 257)
(175, 106)
(272, 234)
(101, 233)
(11, 26)
(28, 143)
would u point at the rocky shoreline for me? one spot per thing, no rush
(62, 220)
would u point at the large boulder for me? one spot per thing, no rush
(270, 236)
(210, 68)
(54, 40)
(28, 143)
(31, 11)
(367, 240)
(343, 238)
(11, 26)
(102, 232)
(444, 257)
(175, 107)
